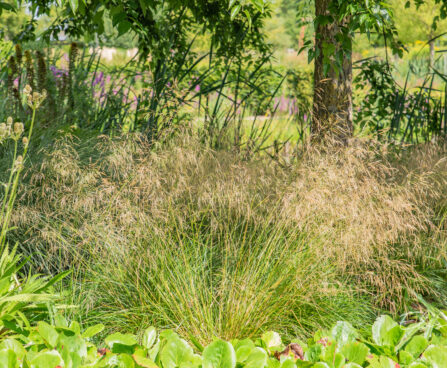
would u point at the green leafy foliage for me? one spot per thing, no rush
(6, 6)
(398, 112)
(160, 26)
(220, 354)
(48, 346)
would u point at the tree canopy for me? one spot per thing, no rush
(10, 23)
(164, 27)
(423, 20)
(161, 26)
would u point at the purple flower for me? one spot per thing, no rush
(58, 73)
(283, 104)
(197, 88)
(98, 79)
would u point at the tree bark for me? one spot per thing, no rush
(332, 110)
(302, 35)
(432, 53)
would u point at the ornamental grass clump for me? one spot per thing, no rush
(183, 236)
(373, 218)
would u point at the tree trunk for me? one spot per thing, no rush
(432, 54)
(302, 35)
(332, 110)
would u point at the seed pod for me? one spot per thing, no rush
(25, 141)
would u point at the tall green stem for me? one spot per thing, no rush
(8, 186)
(13, 183)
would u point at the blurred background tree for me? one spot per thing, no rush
(11, 23)
(423, 21)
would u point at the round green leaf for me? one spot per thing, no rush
(48, 333)
(144, 362)
(436, 356)
(289, 363)
(257, 359)
(47, 359)
(417, 365)
(175, 352)
(343, 333)
(416, 346)
(219, 354)
(92, 331)
(271, 339)
(405, 357)
(8, 359)
(149, 337)
(14, 345)
(321, 365)
(243, 349)
(122, 339)
(385, 331)
(355, 352)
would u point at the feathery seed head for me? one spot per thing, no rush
(18, 129)
(3, 131)
(18, 163)
(35, 99)
(27, 90)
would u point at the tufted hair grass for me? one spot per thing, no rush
(208, 243)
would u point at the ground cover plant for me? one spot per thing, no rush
(418, 344)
